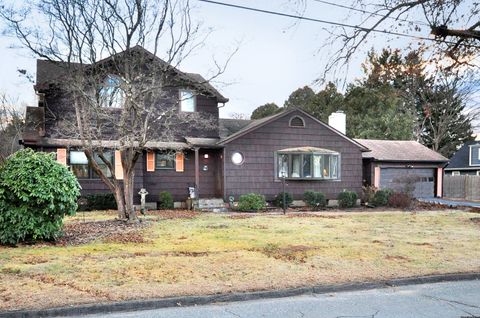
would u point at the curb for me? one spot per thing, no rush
(136, 305)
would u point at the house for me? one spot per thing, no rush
(466, 161)
(232, 158)
(398, 164)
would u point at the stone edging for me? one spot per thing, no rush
(135, 305)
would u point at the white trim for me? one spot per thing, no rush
(299, 117)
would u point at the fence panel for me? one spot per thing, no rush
(461, 187)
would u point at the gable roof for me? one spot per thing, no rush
(256, 124)
(49, 72)
(399, 150)
(461, 159)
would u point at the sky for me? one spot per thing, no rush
(276, 55)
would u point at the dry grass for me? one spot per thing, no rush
(177, 253)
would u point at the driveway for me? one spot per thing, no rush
(451, 299)
(453, 203)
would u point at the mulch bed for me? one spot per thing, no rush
(173, 214)
(114, 231)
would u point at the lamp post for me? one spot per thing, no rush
(283, 175)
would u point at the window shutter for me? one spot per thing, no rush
(118, 165)
(62, 156)
(179, 162)
(150, 161)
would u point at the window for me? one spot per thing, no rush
(297, 121)
(79, 164)
(309, 165)
(164, 160)
(237, 158)
(111, 94)
(82, 170)
(455, 173)
(187, 101)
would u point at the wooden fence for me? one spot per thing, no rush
(461, 187)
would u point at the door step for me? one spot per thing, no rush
(211, 205)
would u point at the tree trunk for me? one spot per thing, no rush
(128, 194)
(119, 198)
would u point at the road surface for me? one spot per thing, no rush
(449, 300)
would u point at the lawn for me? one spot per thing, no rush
(186, 254)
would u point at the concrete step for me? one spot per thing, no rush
(211, 204)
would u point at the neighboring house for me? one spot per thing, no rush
(466, 161)
(234, 157)
(396, 164)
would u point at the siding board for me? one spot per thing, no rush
(257, 172)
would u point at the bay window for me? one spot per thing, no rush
(320, 164)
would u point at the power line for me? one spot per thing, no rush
(356, 27)
(370, 12)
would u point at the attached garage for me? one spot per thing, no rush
(421, 180)
(403, 165)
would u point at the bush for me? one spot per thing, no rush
(400, 200)
(251, 202)
(367, 193)
(165, 201)
(347, 199)
(380, 198)
(97, 201)
(36, 192)
(278, 201)
(314, 199)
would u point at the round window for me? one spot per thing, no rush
(237, 158)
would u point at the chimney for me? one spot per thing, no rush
(338, 120)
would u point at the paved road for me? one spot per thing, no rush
(449, 300)
(451, 202)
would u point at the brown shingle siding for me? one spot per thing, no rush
(258, 146)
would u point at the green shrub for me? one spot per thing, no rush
(97, 201)
(251, 202)
(314, 199)
(347, 199)
(278, 200)
(165, 200)
(380, 198)
(36, 192)
(400, 200)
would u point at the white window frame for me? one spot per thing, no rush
(470, 155)
(182, 100)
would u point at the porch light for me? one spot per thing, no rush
(205, 156)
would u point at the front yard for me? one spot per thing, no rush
(187, 253)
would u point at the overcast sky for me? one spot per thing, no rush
(276, 55)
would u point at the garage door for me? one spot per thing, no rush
(399, 179)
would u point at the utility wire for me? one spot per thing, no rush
(356, 27)
(370, 12)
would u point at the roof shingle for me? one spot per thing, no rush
(399, 150)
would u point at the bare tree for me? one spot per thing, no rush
(450, 28)
(238, 116)
(11, 127)
(121, 94)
